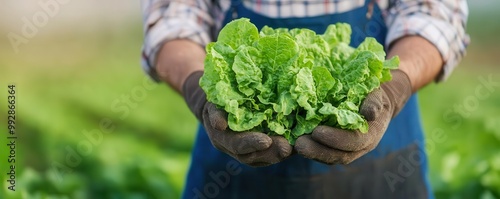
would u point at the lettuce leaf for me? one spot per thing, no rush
(286, 82)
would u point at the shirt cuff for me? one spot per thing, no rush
(175, 21)
(450, 44)
(166, 30)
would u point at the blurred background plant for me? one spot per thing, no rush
(82, 67)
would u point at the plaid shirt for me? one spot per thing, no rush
(441, 22)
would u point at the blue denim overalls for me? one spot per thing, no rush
(397, 168)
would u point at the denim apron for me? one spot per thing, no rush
(396, 168)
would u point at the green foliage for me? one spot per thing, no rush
(146, 155)
(286, 82)
(463, 142)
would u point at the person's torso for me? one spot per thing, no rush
(374, 175)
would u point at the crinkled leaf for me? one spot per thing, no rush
(286, 82)
(338, 33)
(371, 44)
(238, 33)
(286, 103)
(247, 73)
(323, 81)
(278, 52)
(304, 91)
(392, 63)
(243, 119)
(304, 126)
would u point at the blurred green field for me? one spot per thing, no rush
(70, 81)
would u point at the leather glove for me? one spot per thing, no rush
(252, 148)
(332, 145)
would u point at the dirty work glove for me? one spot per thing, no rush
(332, 145)
(252, 148)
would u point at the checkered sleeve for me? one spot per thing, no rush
(166, 20)
(440, 22)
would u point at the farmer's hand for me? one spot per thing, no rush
(332, 146)
(252, 148)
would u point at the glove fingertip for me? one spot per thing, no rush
(284, 148)
(322, 129)
(263, 140)
(302, 144)
(217, 118)
(372, 105)
(249, 142)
